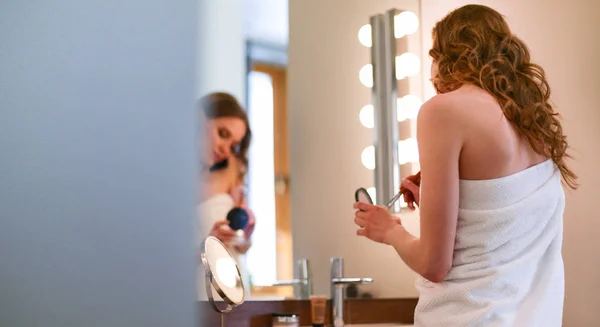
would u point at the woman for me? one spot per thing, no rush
(223, 165)
(492, 154)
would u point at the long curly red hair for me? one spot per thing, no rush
(474, 45)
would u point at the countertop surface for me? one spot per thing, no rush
(376, 325)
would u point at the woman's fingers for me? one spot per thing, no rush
(227, 232)
(222, 228)
(221, 236)
(363, 206)
(362, 232)
(225, 239)
(408, 199)
(410, 186)
(220, 224)
(416, 178)
(360, 222)
(251, 218)
(411, 192)
(361, 214)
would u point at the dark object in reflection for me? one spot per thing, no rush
(219, 165)
(351, 291)
(238, 218)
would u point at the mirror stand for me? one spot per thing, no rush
(211, 298)
(222, 275)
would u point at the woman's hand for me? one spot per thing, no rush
(410, 189)
(222, 231)
(238, 194)
(248, 230)
(375, 222)
(251, 223)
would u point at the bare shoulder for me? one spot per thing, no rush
(456, 101)
(460, 108)
(441, 111)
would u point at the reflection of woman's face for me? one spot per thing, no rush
(224, 135)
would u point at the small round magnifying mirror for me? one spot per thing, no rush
(222, 275)
(361, 195)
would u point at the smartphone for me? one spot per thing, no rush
(361, 195)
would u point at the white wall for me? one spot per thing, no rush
(222, 64)
(326, 141)
(563, 37)
(97, 176)
(266, 21)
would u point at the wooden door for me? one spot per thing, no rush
(285, 264)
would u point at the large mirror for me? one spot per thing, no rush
(302, 73)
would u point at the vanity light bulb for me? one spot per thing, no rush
(405, 23)
(367, 116)
(408, 107)
(408, 151)
(368, 157)
(400, 111)
(407, 65)
(365, 75)
(364, 35)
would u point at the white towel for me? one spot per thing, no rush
(507, 269)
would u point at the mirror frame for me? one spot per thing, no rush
(212, 284)
(364, 192)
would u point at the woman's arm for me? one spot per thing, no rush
(234, 171)
(440, 139)
(440, 142)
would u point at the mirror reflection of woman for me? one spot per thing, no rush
(225, 142)
(492, 156)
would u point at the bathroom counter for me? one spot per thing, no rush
(376, 325)
(358, 312)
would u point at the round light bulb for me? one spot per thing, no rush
(408, 107)
(407, 65)
(364, 35)
(408, 151)
(367, 116)
(368, 157)
(400, 112)
(365, 75)
(405, 23)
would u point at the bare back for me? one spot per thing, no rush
(492, 147)
(496, 237)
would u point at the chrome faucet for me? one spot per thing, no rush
(304, 279)
(338, 282)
